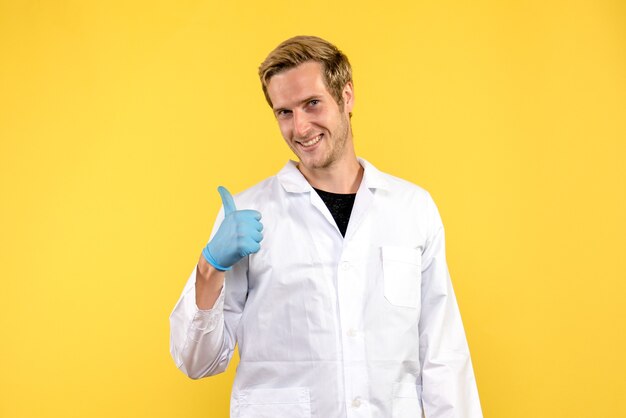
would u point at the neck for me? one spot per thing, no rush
(341, 177)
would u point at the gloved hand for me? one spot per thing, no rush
(238, 236)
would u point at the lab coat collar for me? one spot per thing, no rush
(293, 181)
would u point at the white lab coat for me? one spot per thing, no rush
(361, 326)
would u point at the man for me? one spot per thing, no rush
(340, 301)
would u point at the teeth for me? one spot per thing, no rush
(312, 141)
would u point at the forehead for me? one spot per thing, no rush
(292, 86)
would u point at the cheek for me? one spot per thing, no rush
(331, 121)
(284, 130)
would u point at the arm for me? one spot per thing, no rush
(209, 284)
(448, 383)
(205, 319)
(197, 338)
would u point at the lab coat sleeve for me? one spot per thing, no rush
(202, 342)
(448, 384)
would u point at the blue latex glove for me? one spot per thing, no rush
(239, 235)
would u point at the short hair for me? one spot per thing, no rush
(336, 68)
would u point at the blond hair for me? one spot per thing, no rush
(300, 49)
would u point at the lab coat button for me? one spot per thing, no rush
(345, 265)
(351, 332)
(356, 402)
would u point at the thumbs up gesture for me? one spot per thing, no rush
(239, 235)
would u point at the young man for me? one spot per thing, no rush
(340, 301)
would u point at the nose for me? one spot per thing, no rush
(301, 123)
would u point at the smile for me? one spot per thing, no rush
(312, 142)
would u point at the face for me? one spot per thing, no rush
(314, 126)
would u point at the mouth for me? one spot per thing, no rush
(311, 142)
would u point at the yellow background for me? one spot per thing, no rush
(118, 121)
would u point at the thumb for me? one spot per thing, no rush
(227, 200)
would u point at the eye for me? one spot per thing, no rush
(283, 113)
(314, 102)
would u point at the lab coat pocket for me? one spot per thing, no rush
(273, 403)
(402, 276)
(406, 401)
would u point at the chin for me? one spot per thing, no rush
(314, 162)
(307, 164)
(315, 165)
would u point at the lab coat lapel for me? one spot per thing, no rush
(372, 180)
(317, 229)
(362, 205)
(293, 181)
(319, 204)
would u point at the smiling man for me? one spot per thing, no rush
(339, 298)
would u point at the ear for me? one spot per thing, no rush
(348, 97)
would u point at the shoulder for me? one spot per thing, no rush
(408, 198)
(398, 188)
(399, 185)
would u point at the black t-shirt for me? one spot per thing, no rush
(340, 206)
